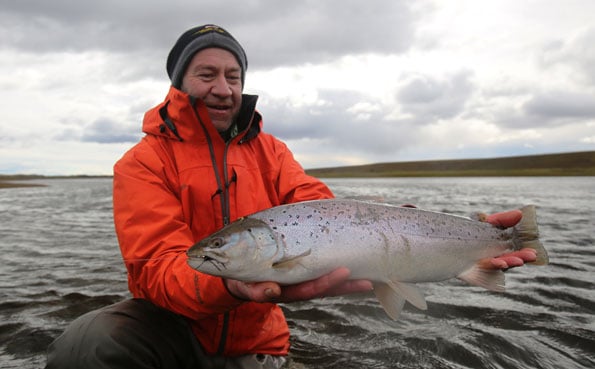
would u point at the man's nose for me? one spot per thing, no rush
(221, 86)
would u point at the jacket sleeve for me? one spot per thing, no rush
(294, 185)
(153, 239)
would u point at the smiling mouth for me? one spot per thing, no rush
(219, 107)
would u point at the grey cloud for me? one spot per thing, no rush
(290, 123)
(561, 104)
(333, 124)
(105, 130)
(429, 98)
(544, 109)
(315, 31)
(576, 52)
(273, 32)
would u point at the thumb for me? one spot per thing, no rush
(257, 292)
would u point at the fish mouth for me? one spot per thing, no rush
(217, 262)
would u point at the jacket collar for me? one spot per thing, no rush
(185, 118)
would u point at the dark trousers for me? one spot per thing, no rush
(137, 334)
(130, 334)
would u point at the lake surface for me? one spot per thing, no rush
(59, 259)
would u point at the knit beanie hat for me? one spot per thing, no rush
(196, 39)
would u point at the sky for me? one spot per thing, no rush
(341, 82)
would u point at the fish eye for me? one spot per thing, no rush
(216, 242)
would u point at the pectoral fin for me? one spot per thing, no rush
(392, 297)
(291, 261)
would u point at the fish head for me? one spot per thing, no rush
(243, 250)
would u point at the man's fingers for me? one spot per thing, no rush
(349, 287)
(332, 284)
(316, 288)
(505, 219)
(511, 260)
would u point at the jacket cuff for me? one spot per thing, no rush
(226, 298)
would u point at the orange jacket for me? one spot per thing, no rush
(182, 182)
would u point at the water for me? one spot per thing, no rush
(59, 259)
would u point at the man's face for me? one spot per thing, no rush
(215, 77)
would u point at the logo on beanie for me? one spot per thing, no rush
(211, 28)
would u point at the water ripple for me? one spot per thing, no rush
(60, 259)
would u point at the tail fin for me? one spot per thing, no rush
(528, 235)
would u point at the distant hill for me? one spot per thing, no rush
(26, 180)
(565, 164)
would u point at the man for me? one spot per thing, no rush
(203, 163)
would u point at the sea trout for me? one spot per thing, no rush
(394, 247)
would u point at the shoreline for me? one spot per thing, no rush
(6, 184)
(572, 164)
(26, 180)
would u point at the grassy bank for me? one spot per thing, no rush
(566, 164)
(28, 180)
(4, 184)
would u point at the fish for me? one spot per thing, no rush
(394, 247)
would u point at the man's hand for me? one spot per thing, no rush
(513, 259)
(334, 283)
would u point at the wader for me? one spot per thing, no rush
(137, 334)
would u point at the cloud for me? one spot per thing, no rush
(105, 130)
(338, 121)
(341, 81)
(429, 99)
(321, 31)
(574, 55)
(554, 105)
(273, 33)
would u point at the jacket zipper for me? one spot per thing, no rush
(225, 210)
(223, 192)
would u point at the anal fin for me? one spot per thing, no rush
(491, 279)
(392, 297)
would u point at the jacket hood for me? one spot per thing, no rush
(185, 118)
